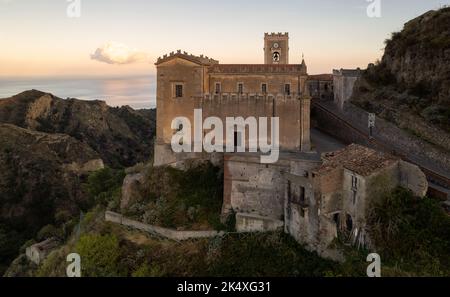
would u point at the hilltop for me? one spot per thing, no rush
(121, 136)
(48, 148)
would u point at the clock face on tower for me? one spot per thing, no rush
(276, 57)
(276, 45)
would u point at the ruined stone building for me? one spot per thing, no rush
(337, 195)
(309, 196)
(343, 82)
(39, 251)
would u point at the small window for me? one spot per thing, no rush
(354, 182)
(264, 88)
(218, 88)
(287, 89)
(240, 88)
(296, 195)
(302, 195)
(178, 91)
(354, 197)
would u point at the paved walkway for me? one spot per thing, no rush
(324, 143)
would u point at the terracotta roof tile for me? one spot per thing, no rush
(356, 158)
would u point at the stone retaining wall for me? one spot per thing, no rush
(159, 231)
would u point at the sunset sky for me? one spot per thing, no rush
(125, 37)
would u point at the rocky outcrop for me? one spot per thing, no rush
(410, 86)
(121, 136)
(131, 189)
(419, 56)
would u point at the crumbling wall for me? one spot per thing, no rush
(411, 177)
(252, 187)
(253, 223)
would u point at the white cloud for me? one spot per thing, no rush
(116, 53)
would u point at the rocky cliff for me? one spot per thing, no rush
(410, 86)
(121, 136)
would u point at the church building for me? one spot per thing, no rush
(309, 196)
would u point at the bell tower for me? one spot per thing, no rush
(276, 48)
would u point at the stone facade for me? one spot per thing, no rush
(186, 82)
(312, 197)
(336, 196)
(276, 48)
(321, 86)
(343, 82)
(260, 189)
(39, 251)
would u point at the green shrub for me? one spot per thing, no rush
(103, 185)
(267, 255)
(49, 231)
(148, 271)
(62, 216)
(176, 198)
(99, 255)
(411, 233)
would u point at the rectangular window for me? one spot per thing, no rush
(178, 91)
(297, 195)
(354, 197)
(302, 195)
(218, 88)
(354, 182)
(240, 88)
(264, 88)
(287, 89)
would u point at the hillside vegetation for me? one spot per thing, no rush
(121, 136)
(173, 198)
(48, 147)
(411, 235)
(410, 86)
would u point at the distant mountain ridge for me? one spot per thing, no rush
(121, 136)
(48, 147)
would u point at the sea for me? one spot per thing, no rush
(137, 91)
